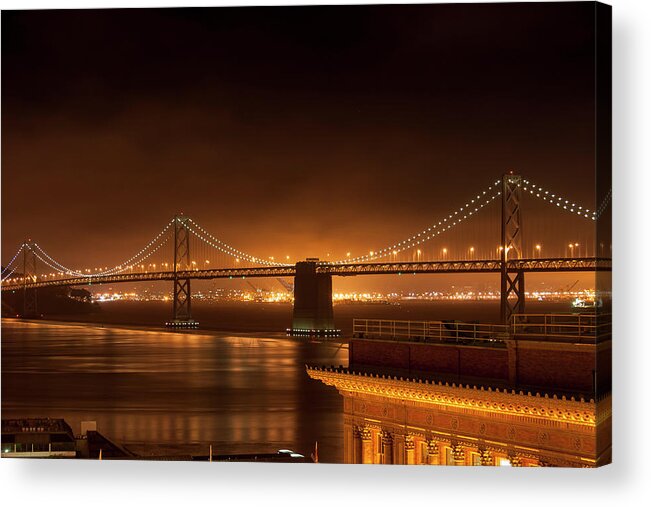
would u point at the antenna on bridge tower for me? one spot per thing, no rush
(30, 306)
(512, 280)
(182, 315)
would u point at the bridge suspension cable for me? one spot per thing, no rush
(455, 217)
(152, 247)
(604, 204)
(559, 201)
(216, 243)
(9, 275)
(6, 268)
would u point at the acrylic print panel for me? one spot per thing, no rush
(343, 234)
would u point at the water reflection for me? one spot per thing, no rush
(175, 392)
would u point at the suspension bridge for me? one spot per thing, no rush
(313, 309)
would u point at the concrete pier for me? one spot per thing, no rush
(313, 314)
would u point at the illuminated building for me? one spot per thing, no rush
(466, 403)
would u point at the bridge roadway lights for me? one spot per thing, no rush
(313, 314)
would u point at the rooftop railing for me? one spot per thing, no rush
(431, 331)
(563, 327)
(570, 328)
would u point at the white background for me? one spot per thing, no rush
(626, 482)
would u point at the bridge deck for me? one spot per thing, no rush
(354, 269)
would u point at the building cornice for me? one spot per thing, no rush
(479, 399)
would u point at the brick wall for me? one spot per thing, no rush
(447, 360)
(561, 368)
(538, 365)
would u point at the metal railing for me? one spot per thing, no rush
(431, 331)
(468, 266)
(569, 327)
(43, 447)
(566, 327)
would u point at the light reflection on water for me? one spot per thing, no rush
(184, 391)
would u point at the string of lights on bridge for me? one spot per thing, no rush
(146, 252)
(142, 255)
(470, 208)
(427, 234)
(560, 202)
(227, 249)
(6, 268)
(9, 275)
(604, 204)
(119, 269)
(151, 248)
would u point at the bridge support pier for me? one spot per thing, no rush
(182, 299)
(512, 282)
(313, 314)
(30, 301)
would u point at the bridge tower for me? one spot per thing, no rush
(313, 313)
(512, 281)
(30, 302)
(181, 305)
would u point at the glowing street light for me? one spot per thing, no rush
(472, 251)
(418, 252)
(538, 248)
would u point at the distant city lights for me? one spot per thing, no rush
(348, 297)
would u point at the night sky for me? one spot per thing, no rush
(294, 131)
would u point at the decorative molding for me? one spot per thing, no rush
(489, 449)
(463, 397)
(365, 432)
(409, 443)
(458, 452)
(515, 460)
(486, 457)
